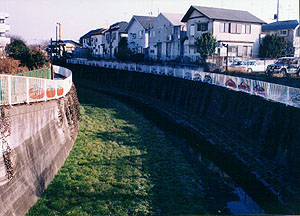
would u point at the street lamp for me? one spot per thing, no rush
(226, 45)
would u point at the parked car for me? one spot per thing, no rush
(254, 66)
(285, 66)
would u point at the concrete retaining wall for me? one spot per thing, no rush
(40, 141)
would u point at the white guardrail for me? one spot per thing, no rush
(19, 89)
(270, 91)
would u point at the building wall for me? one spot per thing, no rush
(137, 37)
(97, 47)
(4, 28)
(164, 39)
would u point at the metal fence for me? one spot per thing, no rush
(270, 91)
(18, 89)
(39, 73)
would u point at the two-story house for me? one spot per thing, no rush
(167, 35)
(4, 28)
(138, 33)
(238, 30)
(85, 41)
(97, 43)
(290, 30)
(112, 38)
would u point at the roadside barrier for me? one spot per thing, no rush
(270, 91)
(24, 89)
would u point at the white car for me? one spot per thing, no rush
(255, 66)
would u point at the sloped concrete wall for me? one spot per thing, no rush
(41, 139)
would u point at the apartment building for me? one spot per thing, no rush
(4, 28)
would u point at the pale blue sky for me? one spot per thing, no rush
(35, 20)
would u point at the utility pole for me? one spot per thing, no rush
(277, 16)
(226, 45)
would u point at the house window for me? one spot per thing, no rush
(1, 20)
(239, 28)
(133, 35)
(232, 49)
(233, 28)
(202, 26)
(243, 29)
(240, 51)
(114, 36)
(141, 32)
(2, 34)
(107, 36)
(245, 51)
(248, 29)
(140, 49)
(224, 27)
(283, 32)
(192, 30)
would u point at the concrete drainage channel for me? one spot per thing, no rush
(232, 167)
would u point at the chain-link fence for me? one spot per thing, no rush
(44, 73)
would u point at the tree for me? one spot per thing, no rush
(31, 58)
(273, 46)
(123, 52)
(18, 50)
(206, 45)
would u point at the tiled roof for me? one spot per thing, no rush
(92, 32)
(280, 25)
(145, 21)
(223, 14)
(121, 26)
(174, 18)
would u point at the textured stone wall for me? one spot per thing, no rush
(42, 135)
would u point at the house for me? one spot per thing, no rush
(238, 30)
(138, 33)
(167, 35)
(4, 28)
(97, 42)
(112, 38)
(290, 30)
(70, 45)
(86, 41)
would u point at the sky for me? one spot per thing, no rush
(35, 20)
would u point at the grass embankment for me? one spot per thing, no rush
(121, 164)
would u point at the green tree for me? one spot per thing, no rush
(32, 59)
(273, 46)
(206, 45)
(123, 52)
(18, 50)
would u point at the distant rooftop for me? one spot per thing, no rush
(280, 25)
(145, 21)
(174, 18)
(223, 14)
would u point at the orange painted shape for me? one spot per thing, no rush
(36, 94)
(50, 92)
(60, 91)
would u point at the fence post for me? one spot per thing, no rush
(9, 90)
(27, 90)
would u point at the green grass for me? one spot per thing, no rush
(121, 164)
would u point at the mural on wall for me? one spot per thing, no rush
(271, 91)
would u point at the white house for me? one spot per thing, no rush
(290, 30)
(138, 33)
(4, 28)
(112, 38)
(97, 43)
(240, 30)
(167, 36)
(86, 41)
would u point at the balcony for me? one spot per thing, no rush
(4, 27)
(4, 41)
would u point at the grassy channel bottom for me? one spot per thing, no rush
(121, 164)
